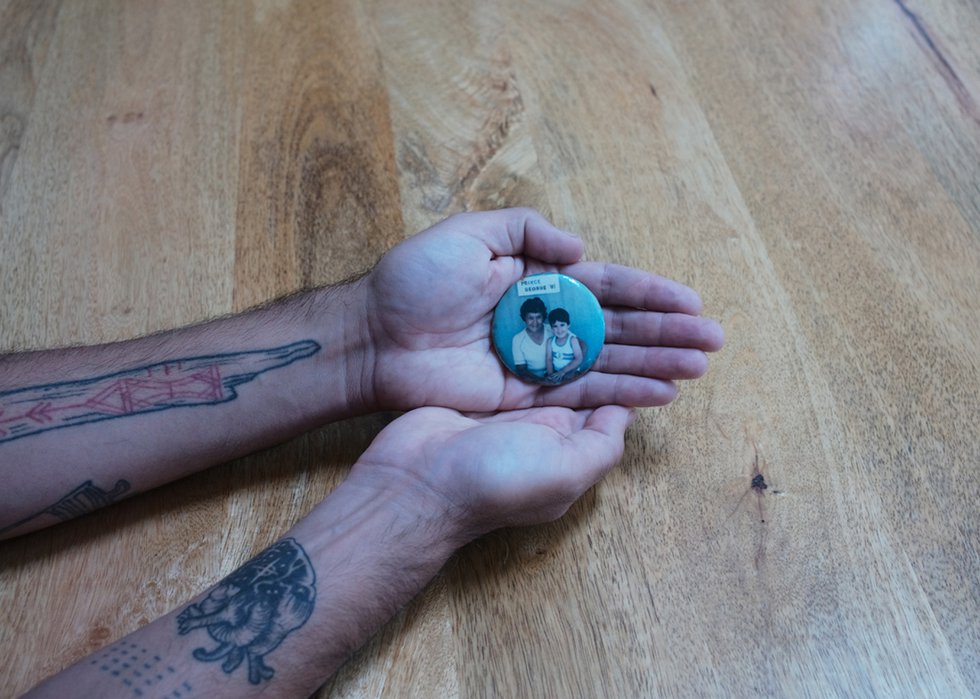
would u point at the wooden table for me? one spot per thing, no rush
(812, 168)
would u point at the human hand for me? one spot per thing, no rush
(430, 300)
(513, 468)
(555, 377)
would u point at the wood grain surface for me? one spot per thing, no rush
(812, 168)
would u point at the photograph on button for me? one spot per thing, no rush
(548, 329)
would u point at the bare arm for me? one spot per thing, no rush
(578, 354)
(82, 427)
(286, 620)
(520, 361)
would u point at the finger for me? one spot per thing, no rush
(596, 389)
(610, 420)
(616, 285)
(508, 232)
(654, 362)
(629, 327)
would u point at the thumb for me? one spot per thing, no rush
(526, 232)
(600, 443)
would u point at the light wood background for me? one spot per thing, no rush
(811, 167)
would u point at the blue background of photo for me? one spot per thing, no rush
(583, 310)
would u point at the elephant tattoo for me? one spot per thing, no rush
(251, 611)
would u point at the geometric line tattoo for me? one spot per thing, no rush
(206, 380)
(251, 611)
(84, 499)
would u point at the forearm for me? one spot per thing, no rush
(287, 619)
(522, 371)
(80, 427)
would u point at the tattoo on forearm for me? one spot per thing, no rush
(251, 611)
(86, 498)
(142, 672)
(178, 383)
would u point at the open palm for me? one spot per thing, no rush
(431, 301)
(508, 469)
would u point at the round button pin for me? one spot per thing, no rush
(548, 329)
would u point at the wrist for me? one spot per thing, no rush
(393, 497)
(337, 319)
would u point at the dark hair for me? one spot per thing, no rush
(534, 305)
(558, 314)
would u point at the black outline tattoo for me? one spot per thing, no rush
(178, 383)
(251, 611)
(86, 498)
